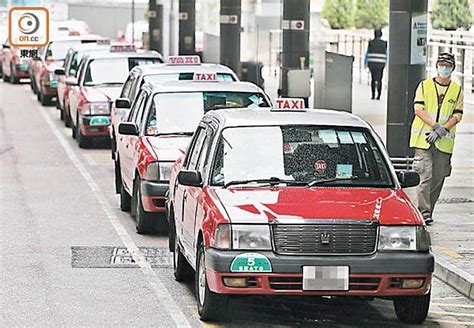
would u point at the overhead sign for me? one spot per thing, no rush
(205, 77)
(229, 19)
(184, 60)
(289, 103)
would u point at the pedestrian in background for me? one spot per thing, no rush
(375, 59)
(438, 108)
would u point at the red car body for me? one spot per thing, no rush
(14, 67)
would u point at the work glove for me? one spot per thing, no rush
(437, 132)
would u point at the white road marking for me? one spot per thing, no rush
(164, 297)
(468, 306)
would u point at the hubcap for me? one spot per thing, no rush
(202, 280)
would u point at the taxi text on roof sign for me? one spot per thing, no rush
(123, 48)
(289, 103)
(184, 60)
(205, 77)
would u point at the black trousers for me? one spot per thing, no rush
(376, 72)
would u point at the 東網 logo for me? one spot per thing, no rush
(28, 26)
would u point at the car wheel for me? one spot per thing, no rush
(13, 79)
(181, 269)
(211, 306)
(43, 99)
(145, 222)
(67, 117)
(6, 78)
(32, 85)
(83, 141)
(125, 199)
(412, 309)
(113, 145)
(118, 176)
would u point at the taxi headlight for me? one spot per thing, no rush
(158, 171)
(251, 237)
(403, 238)
(102, 108)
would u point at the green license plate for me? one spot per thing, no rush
(23, 67)
(99, 120)
(54, 84)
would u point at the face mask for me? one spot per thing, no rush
(444, 71)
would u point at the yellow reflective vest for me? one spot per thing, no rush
(440, 114)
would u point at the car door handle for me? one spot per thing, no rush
(185, 196)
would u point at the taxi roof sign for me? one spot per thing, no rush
(204, 77)
(289, 104)
(103, 41)
(123, 48)
(184, 60)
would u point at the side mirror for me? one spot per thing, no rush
(6, 46)
(122, 103)
(59, 71)
(128, 129)
(408, 179)
(190, 178)
(71, 81)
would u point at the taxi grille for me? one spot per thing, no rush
(332, 237)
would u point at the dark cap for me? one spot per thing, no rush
(446, 57)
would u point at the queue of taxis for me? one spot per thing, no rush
(296, 202)
(43, 79)
(155, 134)
(98, 83)
(177, 68)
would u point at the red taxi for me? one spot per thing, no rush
(296, 203)
(157, 132)
(98, 83)
(42, 68)
(13, 66)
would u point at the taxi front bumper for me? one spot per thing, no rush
(380, 274)
(154, 195)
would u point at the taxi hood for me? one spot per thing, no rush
(102, 93)
(262, 205)
(51, 66)
(168, 148)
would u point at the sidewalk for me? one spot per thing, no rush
(453, 229)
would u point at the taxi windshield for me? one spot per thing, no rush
(113, 70)
(168, 109)
(299, 155)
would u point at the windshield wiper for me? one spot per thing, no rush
(318, 182)
(173, 134)
(271, 181)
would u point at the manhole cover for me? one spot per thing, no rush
(117, 257)
(454, 200)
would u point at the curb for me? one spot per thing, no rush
(457, 278)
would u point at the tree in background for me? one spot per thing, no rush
(339, 13)
(371, 14)
(451, 14)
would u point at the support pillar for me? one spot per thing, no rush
(230, 20)
(155, 14)
(407, 67)
(187, 27)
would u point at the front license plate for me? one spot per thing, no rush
(326, 278)
(54, 84)
(99, 120)
(24, 67)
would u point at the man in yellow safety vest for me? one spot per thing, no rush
(439, 104)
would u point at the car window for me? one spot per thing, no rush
(141, 109)
(203, 157)
(343, 156)
(135, 108)
(193, 156)
(127, 87)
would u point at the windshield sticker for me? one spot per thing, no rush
(345, 137)
(251, 262)
(320, 166)
(328, 136)
(358, 137)
(343, 171)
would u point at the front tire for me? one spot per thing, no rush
(83, 141)
(211, 306)
(145, 222)
(181, 269)
(13, 78)
(412, 309)
(125, 199)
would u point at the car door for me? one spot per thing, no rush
(75, 92)
(193, 195)
(127, 144)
